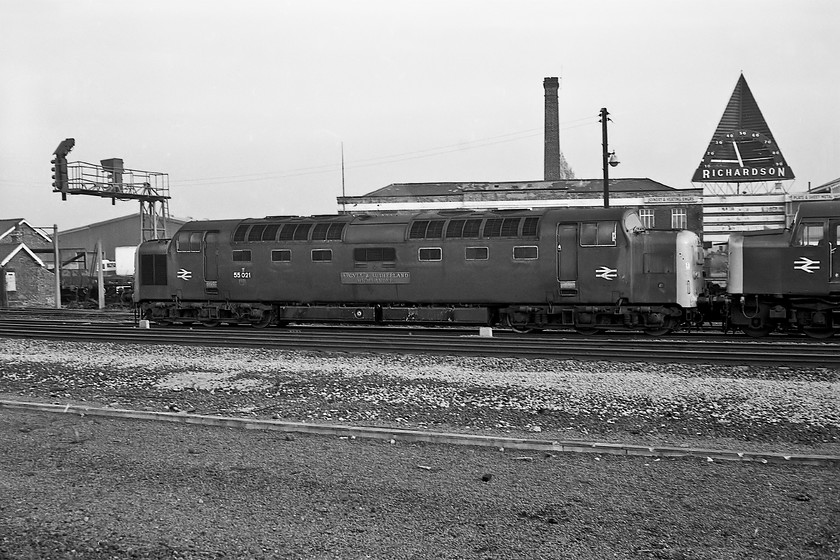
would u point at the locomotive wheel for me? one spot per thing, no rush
(658, 331)
(517, 328)
(211, 323)
(588, 331)
(757, 332)
(264, 321)
(819, 332)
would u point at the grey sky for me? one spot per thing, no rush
(245, 104)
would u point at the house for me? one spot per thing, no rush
(25, 279)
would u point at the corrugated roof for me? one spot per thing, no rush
(565, 185)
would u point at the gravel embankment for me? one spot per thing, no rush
(94, 489)
(747, 407)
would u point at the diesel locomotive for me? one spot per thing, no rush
(587, 269)
(787, 279)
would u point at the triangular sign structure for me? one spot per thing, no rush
(742, 149)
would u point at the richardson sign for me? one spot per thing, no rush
(742, 174)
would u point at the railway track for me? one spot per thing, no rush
(461, 342)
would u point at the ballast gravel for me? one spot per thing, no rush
(94, 488)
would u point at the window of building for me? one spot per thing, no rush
(598, 234)
(525, 253)
(646, 216)
(242, 255)
(476, 253)
(430, 254)
(679, 218)
(375, 254)
(809, 234)
(321, 255)
(281, 255)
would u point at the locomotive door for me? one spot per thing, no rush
(833, 253)
(211, 262)
(567, 259)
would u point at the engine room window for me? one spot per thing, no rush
(320, 232)
(493, 227)
(530, 227)
(375, 254)
(426, 229)
(510, 227)
(809, 234)
(455, 228)
(270, 232)
(287, 233)
(476, 253)
(281, 255)
(679, 219)
(256, 232)
(241, 255)
(598, 234)
(646, 217)
(526, 253)
(239, 233)
(321, 255)
(335, 231)
(302, 232)
(430, 254)
(471, 228)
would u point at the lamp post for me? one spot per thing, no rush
(608, 158)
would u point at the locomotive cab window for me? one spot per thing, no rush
(281, 255)
(598, 234)
(430, 254)
(188, 241)
(809, 234)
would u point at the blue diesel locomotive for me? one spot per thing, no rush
(587, 269)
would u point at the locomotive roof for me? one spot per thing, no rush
(818, 209)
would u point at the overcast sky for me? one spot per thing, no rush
(246, 104)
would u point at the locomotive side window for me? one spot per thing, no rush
(525, 253)
(321, 255)
(302, 232)
(281, 255)
(530, 227)
(597, 234)
(375, 254)
(426, 229)
(809, 234)
(287, 233)
(239, 234)
(455, 228)
(471, 228)
(430, 254)
(256, 232)
(241, 255)
(188, 242)
(270, 232)
(476, 253)
(493, 227)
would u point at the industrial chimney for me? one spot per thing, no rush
(552, 130)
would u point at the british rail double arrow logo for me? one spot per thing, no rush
(806, 264)
(606, 273)
(184, 274)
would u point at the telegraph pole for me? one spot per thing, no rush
(605, 157)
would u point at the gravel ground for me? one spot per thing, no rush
(97, 488)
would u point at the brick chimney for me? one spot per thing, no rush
(552, 130)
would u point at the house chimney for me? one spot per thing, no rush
(552, 130)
